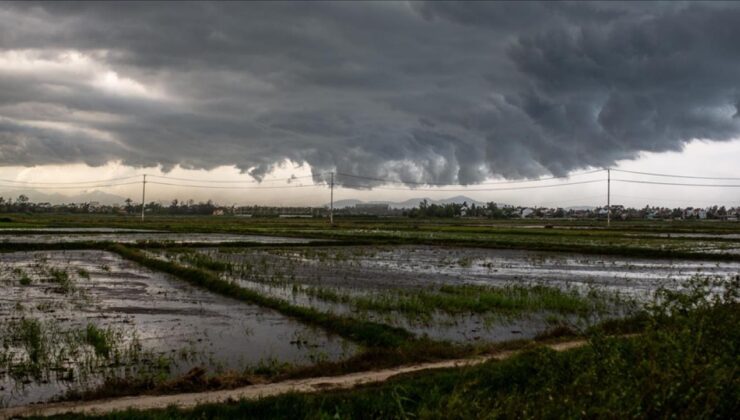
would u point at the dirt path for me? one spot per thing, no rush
(145, 402)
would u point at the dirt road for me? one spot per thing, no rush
(145, 402)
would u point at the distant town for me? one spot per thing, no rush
(424, 209)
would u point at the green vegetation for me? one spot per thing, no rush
(195, 259)
(30, 337)
(101, 340)
(32, 349)
(25, 280)
(683, 365)
(455, 300)
(62, 279)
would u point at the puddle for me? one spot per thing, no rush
(170, 320)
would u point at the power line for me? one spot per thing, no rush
(18, 187)
(675, 176)
(431, 184)
(228, 181)
(503, 189)
(68, 183)
(631, 181)
(234, 187)
(632, 197)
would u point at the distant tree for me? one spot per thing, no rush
(175, 207)
(129, 205)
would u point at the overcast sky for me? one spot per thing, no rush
(443, 93)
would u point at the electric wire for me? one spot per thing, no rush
(214, 181)
(27, 183)
(431, 184)
(71, 187)
(676, 176)
(531, 187)
(221, 187)
(678, 184)
(634, 198)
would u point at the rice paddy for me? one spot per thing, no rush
(172, 305)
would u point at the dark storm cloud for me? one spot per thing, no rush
(430, 92)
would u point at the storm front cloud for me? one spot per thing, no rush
(427, 92)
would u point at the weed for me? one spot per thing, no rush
(62, 279)
(99, 339)
(25, 280)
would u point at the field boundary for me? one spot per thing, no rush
(254, 392)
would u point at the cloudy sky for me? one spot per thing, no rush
(437, 93)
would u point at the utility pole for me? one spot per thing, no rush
(331, 201)
(143, 197)
(608, 197)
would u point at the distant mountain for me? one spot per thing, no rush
(410, 203)
(340, 204)
(56, 198)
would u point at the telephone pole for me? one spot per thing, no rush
(608, 197)
(143, 197)
(331, 201)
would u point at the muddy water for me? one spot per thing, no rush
(134, 237)
(189, 326)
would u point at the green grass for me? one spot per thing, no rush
(683, 365)
(25, 280)
(462, 299)
(100, 340)
(203, 261)
(32, 339)
(61, 277)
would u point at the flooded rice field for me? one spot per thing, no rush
(398, 285)
(419, 266)
(71, 319)
(130, 237)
